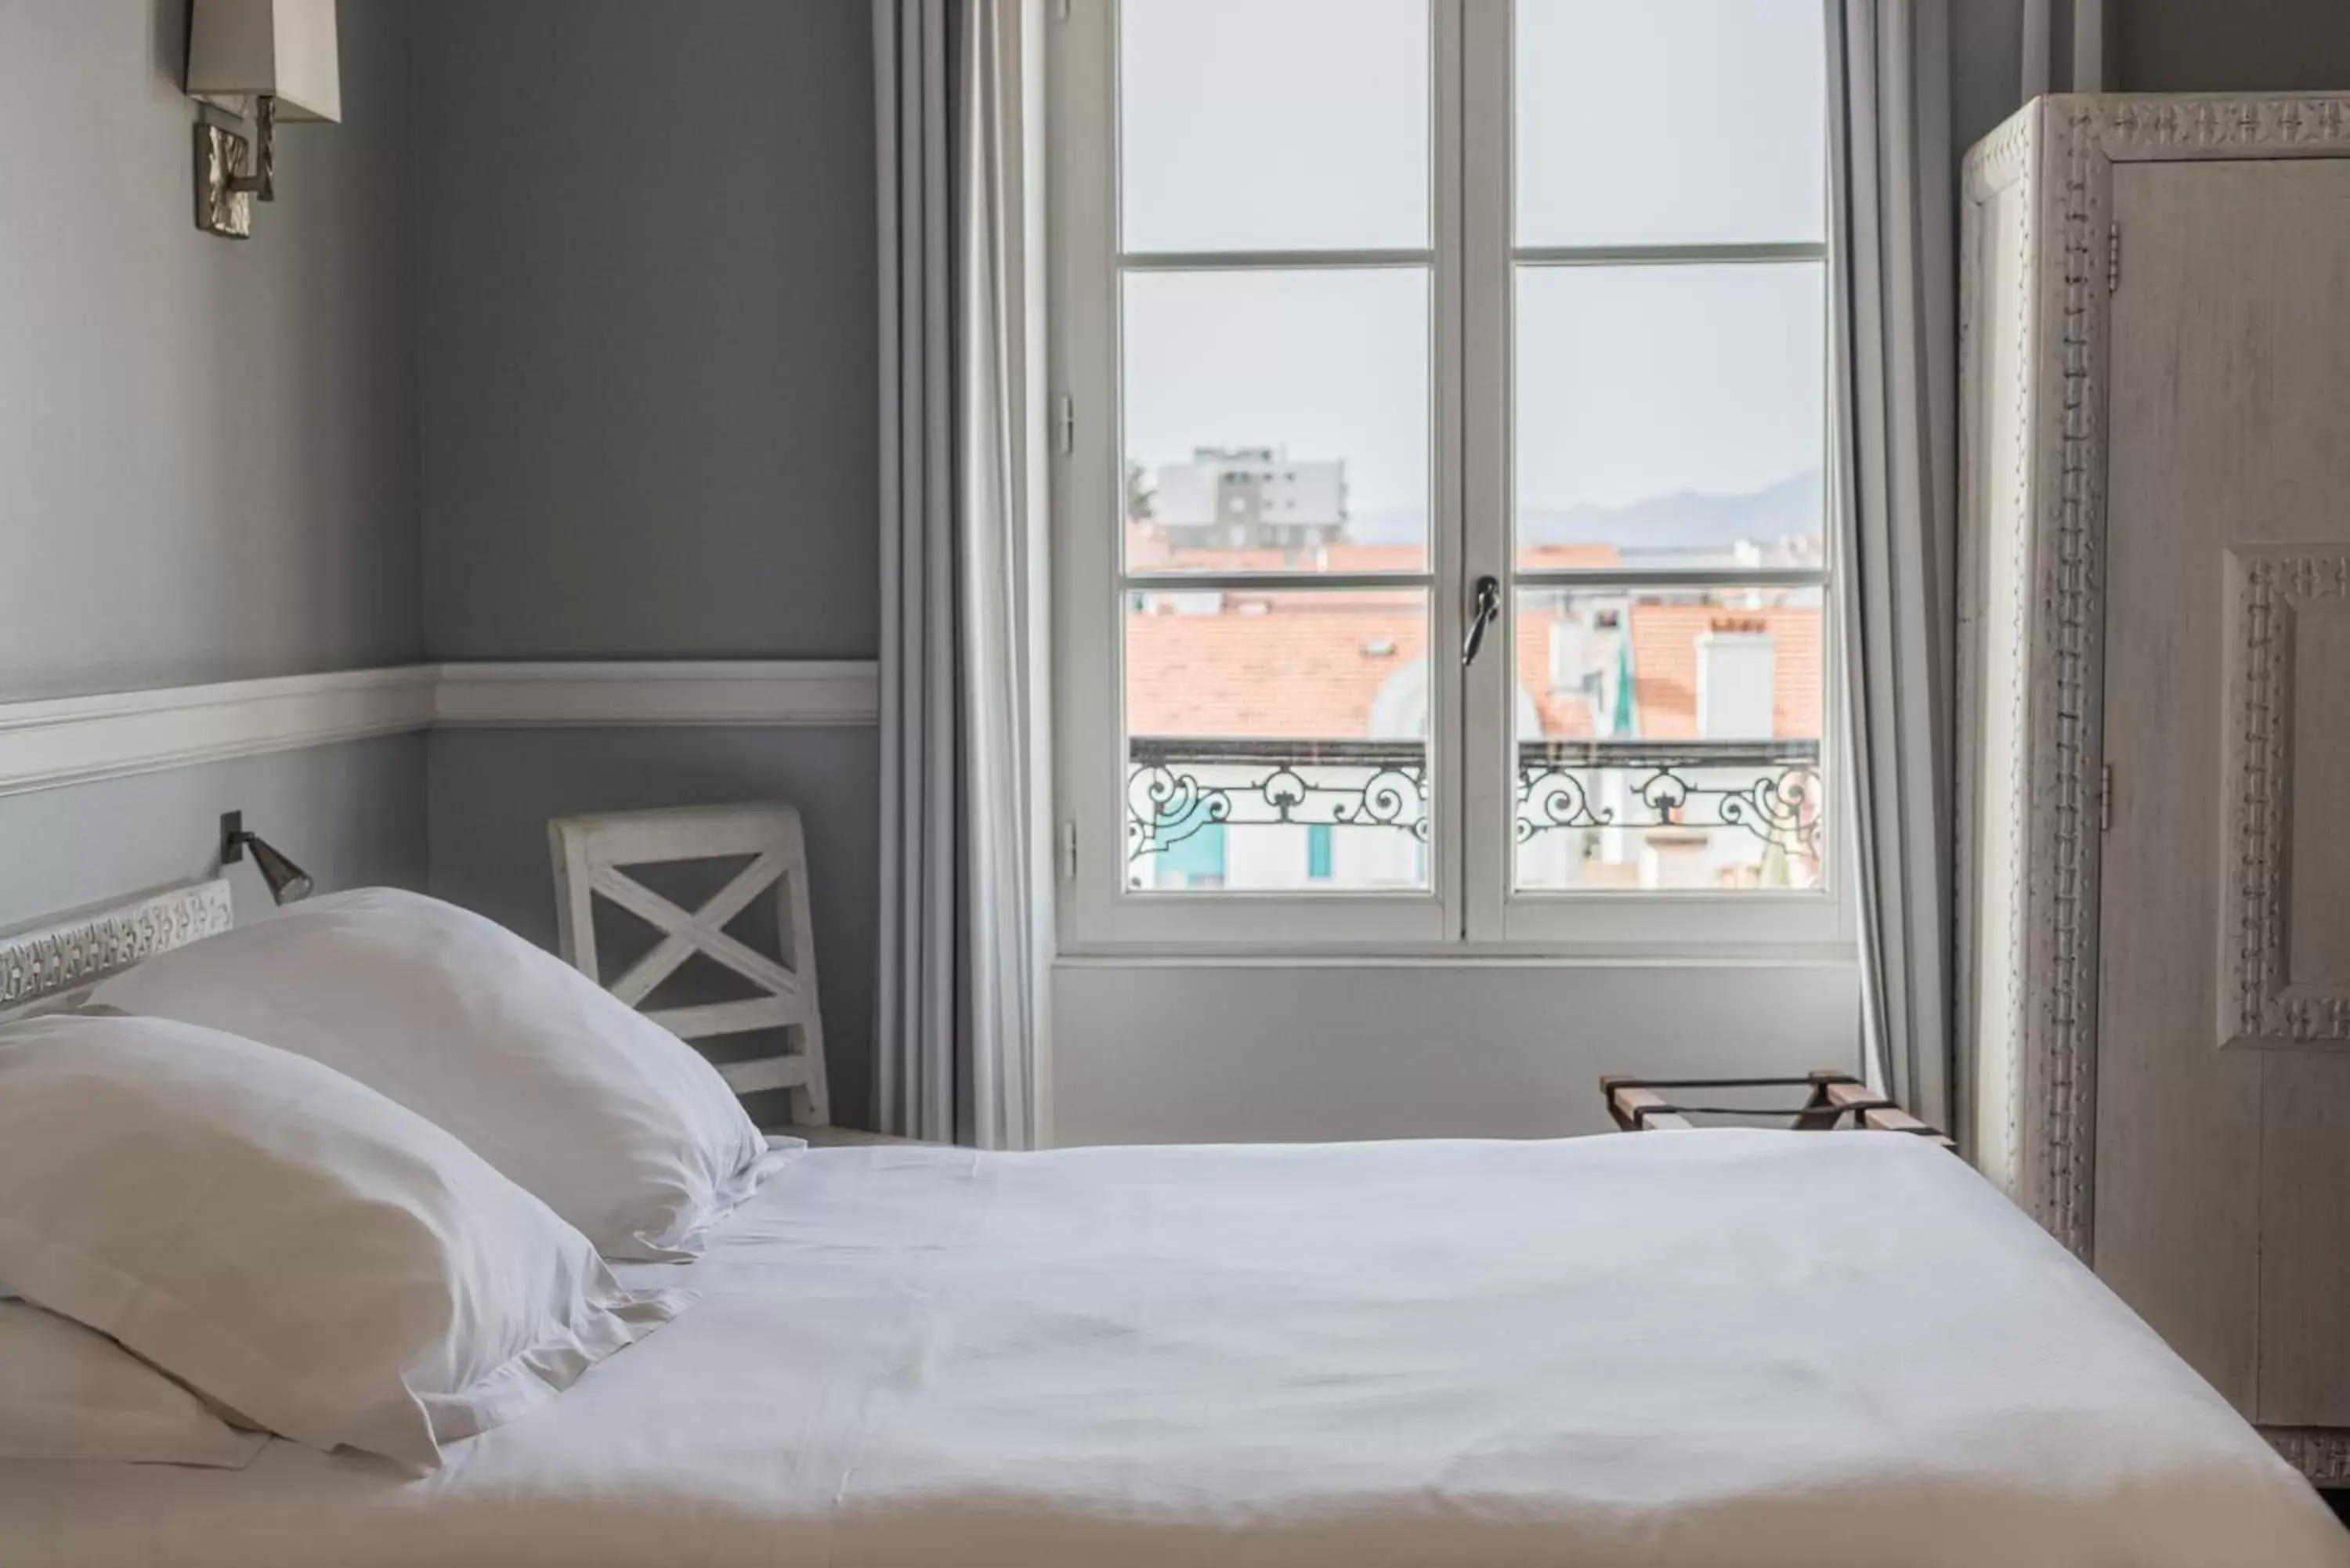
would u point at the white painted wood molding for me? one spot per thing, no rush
(58, 743)
(762, 693)
(81, 739)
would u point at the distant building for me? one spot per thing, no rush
(1251, 498)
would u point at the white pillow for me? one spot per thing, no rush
(287, 1242)
(619, 1125)
(69, 1394)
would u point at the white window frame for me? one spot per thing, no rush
(1470, 908)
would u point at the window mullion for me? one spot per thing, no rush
(1448, 824)
(1481, 242)
(1701, 254)
(1272, 261)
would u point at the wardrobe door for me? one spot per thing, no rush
(2223, 1109)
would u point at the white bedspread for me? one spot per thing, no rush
(1713, 1347)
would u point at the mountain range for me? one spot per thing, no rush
(1688, 520)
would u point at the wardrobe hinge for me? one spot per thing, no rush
(2106, 798)
(2113, 257)
(1068, 852)
(1064, 425)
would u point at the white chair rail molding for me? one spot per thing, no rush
(58, 743)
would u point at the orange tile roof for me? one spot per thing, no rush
(1302, 669)
(1559, 557)
(1664, 666)
(1297, 669)
(1374, 558)
(1158, 557)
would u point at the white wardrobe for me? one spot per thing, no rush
(2155, 720)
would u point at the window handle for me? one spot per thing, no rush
(1488, 610)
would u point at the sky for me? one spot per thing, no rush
(1304, 124)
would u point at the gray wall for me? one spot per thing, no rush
(1986, 67)
(208, 450)
(352, 814)
(2152, 46)
(2230, 46)
(493, 791)
(647, 317)
(649, 338)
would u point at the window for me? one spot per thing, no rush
(1372, 311)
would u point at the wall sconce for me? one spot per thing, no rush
(288, 883)
(264, 60)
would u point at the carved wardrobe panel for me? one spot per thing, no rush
(2155, 630)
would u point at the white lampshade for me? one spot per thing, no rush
(281, 48)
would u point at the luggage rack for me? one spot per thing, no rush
(1834, 1101)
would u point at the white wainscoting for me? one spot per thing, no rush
(58, 743)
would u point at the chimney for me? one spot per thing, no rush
(1737, 682)
(1567, 654)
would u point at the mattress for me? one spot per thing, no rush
(1707, 1347)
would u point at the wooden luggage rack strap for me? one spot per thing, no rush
(1642, 1105)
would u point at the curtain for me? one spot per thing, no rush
(959, 1014)
(1895, 328)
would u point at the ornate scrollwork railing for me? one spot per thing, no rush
(1341, 783)
(1177, 789)
(1769, 788)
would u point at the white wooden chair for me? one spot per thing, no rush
(592, 855)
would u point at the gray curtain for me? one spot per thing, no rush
(959, 1014)
(1895, 372)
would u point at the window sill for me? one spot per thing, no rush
(1463, 955)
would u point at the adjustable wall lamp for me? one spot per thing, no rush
(263, 60)
(288, 883)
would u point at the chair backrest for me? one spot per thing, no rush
(592, 855)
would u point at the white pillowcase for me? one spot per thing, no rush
(287, 1242)
(619, 1125)
(69, 1394)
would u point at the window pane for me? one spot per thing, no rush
(1669, 739)
(1277, 741)
(1672, 122)
(1274, 124)
(1277, 421)
(1671, 415)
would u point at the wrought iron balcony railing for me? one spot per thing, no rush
(1177, 788)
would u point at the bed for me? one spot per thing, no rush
(1599, 1351)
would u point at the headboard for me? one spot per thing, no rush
(67, 953)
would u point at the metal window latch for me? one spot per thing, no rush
(1487, 610)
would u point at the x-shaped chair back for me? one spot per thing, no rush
(591, 857)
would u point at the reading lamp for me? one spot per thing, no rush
(263, 60)
(288, 883)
